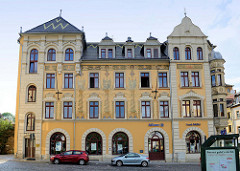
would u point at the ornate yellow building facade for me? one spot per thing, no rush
(110, 98)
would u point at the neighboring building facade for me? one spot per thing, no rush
(234, 110)
(110, 98)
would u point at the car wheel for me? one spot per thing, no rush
(56, 161)
(81, 162)
(119, 163)
(144, 164)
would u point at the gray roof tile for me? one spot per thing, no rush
(56, 25)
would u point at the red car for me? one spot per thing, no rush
(72, 156)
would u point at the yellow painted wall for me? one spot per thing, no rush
(17, 96)
(138, 129)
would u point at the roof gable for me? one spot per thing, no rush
(56, 25)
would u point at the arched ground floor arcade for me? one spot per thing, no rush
(106, 139)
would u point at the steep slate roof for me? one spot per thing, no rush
(56, 25)
(92, 52)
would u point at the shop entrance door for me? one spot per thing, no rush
(156, 146)
(29, 148)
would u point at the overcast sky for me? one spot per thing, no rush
(218, 19)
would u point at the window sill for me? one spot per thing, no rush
(163, 88)
(119, 88)
(66, 89)
(94, 88)
(191, 87)
(50, 89)
(145, 88)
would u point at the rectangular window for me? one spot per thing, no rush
(145, 80)
(162, 79)
(184, 79)
(155, 53)
(229, 128)
(68, 80)
(67, 110)
(219, 76)
(50, 82)
(229, 115)
(119, 80)
(213, 80)
(197, 108)
(93, 110)
(49, 110)
(238, 116)
(129, 53)
(146, 109)
(195, 79)
(103, 53)
(94, 80)
(149, 53)
(222, 109)
(110, 53)
(215, 110)
(186, 108)
(119, 109)
(164, 109)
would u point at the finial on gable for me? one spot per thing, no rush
(60, 15)
(150, 34)
(83, 28)
(185, 13)
(106, 34)
(20, 30)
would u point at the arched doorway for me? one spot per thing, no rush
(193, 142)
(156, 146)
(120, 143)
(57, 143)
(94, 143)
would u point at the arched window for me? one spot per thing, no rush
(94, 143)
(188, 53)
(33, 61)
(32, 93)
(51, 56)
(120, 143)
(57, 143)
(30, 123)
(69, 55)
(176, 53)
(193, 142)
(199, 53)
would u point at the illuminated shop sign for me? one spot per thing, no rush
(193, 124)
(153, 124)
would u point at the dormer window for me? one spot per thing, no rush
(129, 53)
(149, 53)
(155, 53)
(110, 53)
(103, 53)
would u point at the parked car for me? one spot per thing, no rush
(72, 156)
(131, 159)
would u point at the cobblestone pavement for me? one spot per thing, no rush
(15, 165)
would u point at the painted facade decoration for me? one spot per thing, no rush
(110, 98)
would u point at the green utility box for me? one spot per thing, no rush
(220, 153)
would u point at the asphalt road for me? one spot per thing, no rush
(15, 165)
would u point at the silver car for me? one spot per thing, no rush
(131, 159)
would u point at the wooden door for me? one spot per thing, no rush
(29, 148)
(156, 149)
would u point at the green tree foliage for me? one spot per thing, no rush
(8, 116)
(6, 131)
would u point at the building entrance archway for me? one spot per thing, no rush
(156, 146)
